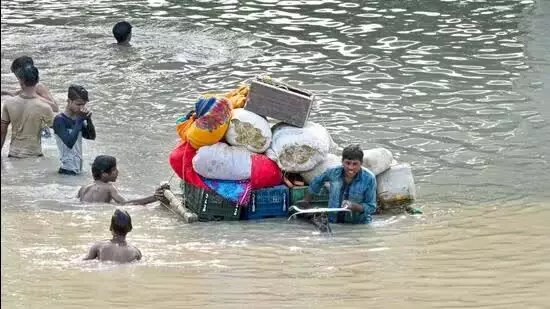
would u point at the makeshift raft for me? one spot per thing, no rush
(174, 203)
(202, 205)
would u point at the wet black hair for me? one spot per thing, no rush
(78, 92)
(121, 31)
(121, 222)
(28, 75)
(352, 152)
(103, 164)
(21, 62)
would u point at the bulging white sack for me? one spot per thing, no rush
(249, 130)
(331, 160)
(377, 160)
(299, 149)
(221, 161)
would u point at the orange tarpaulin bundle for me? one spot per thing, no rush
(207, 124)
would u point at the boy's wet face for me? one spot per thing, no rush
(114, 174)
(76, 106)
(110, 176)
(351, 167)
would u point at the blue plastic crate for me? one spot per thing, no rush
(267, 203)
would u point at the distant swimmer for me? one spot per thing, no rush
(104, 170)
(116, 249)
(122, 32)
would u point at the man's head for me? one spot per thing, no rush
(27, 76)
(20, 63)
(121, 223)
(104, 168)
(352, 158)
(77, 98)
(122, 32)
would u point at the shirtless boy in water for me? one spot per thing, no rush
(105, 171)
(116, 249)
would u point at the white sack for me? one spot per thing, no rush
(299, 149)
(249, 130)
(331, 160)
(221, 161)
(377, 160)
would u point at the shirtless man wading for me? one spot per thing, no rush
(116, 249)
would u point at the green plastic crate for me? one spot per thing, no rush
(208, 205)
(319, 200)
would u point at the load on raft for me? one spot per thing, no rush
(250, 154)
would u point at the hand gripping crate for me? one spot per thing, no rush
(279, 101)
(319, 200)
(267, 203)
(208, 205)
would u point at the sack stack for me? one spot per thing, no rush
(231, 160)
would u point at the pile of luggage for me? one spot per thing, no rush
(235, 165)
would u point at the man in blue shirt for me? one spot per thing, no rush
(351, 187)
(70, 127)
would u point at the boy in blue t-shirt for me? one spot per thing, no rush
(70, 127)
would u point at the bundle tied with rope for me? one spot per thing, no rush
(206, 124)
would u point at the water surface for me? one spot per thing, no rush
(458, 89)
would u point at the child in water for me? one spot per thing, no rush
(102, 190)
(116, 249)
(122, 31)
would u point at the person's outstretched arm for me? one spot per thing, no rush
(142, 201)
(118, 198)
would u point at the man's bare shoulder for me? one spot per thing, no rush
(43, 106)
(101, 244)
(97, 192)
(98, 185)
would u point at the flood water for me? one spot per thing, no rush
(458, 89)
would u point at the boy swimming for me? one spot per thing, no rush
(122, 31)
(116, 249)
(104, 170)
